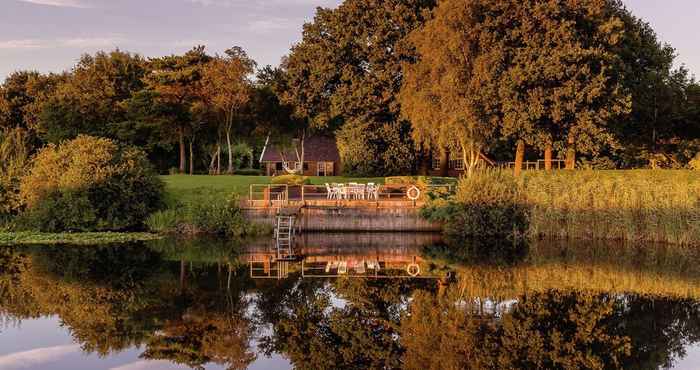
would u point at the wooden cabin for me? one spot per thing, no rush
(321, 158)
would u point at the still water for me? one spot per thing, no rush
(350, 301)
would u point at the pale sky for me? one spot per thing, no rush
(50, 35)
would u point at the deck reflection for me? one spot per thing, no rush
(364, 255)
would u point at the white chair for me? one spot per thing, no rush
(372, 191)
(333, 192)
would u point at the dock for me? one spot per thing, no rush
(391, 211)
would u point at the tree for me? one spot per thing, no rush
(537, 72)
(440, 90)
(175, 83)
(226, 87)
(90, 100)
(346, 72)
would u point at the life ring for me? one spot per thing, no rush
(413, 269)
(413, 193)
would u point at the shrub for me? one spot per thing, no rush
(368, 147)
(486, 216)
(291, 180)
(89, 184)
(205, 215)
(14, 159)
(249, 172)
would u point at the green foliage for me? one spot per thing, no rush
(369, 149)
(335, 78)
(487, 218)
(206, 214)
(86, 239)
(542, 72)
(60, 211)
(89, 184)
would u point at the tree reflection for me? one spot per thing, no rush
(199, 306)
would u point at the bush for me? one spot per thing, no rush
(89, 184)
(487, 216)
(206, 215)
(370, 148)
(249, 172)
(291, 180)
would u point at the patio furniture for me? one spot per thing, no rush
(333, 192)
(372, 191)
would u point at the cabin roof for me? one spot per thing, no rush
(316, 148)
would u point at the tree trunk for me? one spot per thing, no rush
(218, 159)
(212, 163)
(182, 150)
(192, 156)
(230, 152)
(519, 157)
(571, 155)
(548, 157)
(444, 162)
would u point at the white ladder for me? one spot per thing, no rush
(284, 237)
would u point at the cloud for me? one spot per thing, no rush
(20, 44)
(59, 3)
(74, 42)
(36, 357)
(148, 365)
(274, 24)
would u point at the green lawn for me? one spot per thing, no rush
(186, 187)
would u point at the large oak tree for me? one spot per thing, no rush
(346, 72)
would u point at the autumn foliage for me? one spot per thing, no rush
(89, 184)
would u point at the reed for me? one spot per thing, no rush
(640, 205)
(660, 206)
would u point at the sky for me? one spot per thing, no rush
(50, 35)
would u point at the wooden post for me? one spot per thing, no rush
(548, 157)
(571, 155)
(519, 157)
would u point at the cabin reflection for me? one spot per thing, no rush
(367, 255)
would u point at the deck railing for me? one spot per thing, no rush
(272, 195)
(557, 164)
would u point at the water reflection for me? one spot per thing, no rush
(203, 303)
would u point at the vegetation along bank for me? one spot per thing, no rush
(640, 205)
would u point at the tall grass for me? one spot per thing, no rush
(641, 205)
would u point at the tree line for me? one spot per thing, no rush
(397, 83)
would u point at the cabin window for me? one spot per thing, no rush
(278, 166)
(306, 166)
(457, 164)
(436, 163)
(324, 168)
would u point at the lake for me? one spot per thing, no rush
(374, 301)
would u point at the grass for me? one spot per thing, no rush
(91, 238)
(189, 188)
